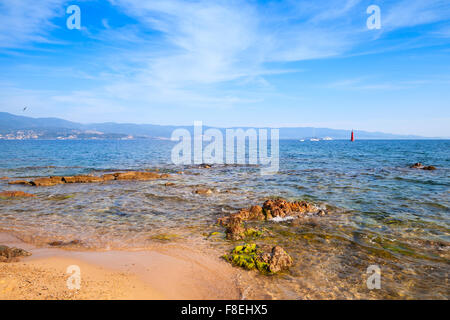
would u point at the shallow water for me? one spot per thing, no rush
(381, 211)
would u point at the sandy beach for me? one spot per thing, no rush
(167, 272)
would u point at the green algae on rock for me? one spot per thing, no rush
(250, 257)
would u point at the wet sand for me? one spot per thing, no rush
(163, 272)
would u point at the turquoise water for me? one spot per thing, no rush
(381, 211)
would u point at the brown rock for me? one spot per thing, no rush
(4, 178)
(8, 254)
(277, 260)
(418, 165)
(235, 230)
(15, 194)
(46, 182)
(271, 208)
(256, 213)
(136, 175)
(169, 184)
(82, 179)
(282, 208)
(24, 182)
(164, 176)
(108, 177)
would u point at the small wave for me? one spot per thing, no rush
(280, 219)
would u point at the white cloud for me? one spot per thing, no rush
(27, 21)
(409, 13)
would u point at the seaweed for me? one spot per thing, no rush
(247, 256)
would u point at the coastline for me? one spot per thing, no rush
(165, 272)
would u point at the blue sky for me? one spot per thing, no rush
(231, 63)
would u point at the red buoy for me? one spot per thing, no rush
(353, 137)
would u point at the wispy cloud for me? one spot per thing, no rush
(25, 22)
(409, 13)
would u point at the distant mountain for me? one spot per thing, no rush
(21, 127)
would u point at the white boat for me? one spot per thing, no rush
(314, 139)
(328, 138)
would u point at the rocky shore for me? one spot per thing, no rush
(250, 255)
(55, 180)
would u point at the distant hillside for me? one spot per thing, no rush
(21, 127)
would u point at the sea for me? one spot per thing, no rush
(381, 212)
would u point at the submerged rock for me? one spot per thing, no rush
(203, 191)
(8, 254)
(136, 175)
(418, 165)
(250, 256)
(15, 194)
(59, 243)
